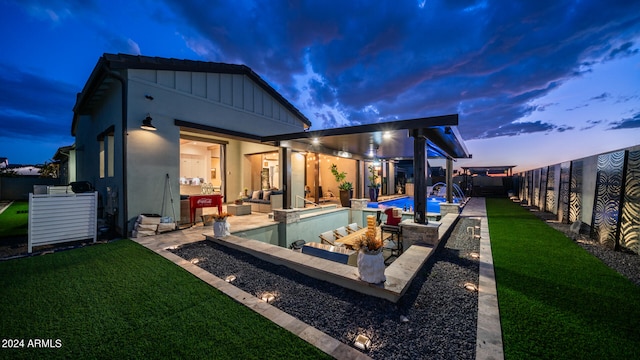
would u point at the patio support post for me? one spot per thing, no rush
(286, 166)
(420, 176)
(316, 178)
(449, 180)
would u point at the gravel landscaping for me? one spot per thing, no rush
(436, 318)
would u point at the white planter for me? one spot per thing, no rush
(220, 228)
(371, 266)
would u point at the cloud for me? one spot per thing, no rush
(58, 10)
(34, 107)
(601, 97)
(623, 50)
(628, 123)
(520, 128)
(591, 124)
(406, 60)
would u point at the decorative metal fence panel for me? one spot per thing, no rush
(550, 191)
(542, 196)
(568, 187)
(575, 192)
(630, 224)
(536, 188)
(606, 208)
(565, 183)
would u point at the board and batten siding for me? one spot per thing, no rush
(57, 218)
(233, 90)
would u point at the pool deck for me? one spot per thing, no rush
(399, 276)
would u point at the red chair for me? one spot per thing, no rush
(391, 219)
(392, 227)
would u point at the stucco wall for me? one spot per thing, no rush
(231, 102)
(18, 188)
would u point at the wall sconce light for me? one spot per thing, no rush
(146, 124)
(362, 342)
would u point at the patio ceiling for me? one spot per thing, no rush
(388, 140)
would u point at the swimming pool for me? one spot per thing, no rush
(406, 204)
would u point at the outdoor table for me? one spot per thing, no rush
(352, 241)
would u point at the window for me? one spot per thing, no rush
(107, 152)
(102, 156)
(110, 155)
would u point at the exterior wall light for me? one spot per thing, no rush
(362, 342)
(146, 124)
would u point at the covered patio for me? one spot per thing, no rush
(416, 139)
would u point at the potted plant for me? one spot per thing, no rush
(373, 184)
(220, 224)
(345, 187)
(370, 258)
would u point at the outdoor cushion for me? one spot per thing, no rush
(341, 231)
(256, 195)
(353, 227)
(266, 195)
(328, 236)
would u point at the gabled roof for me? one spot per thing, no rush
(110, 62)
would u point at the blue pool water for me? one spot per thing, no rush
(433, 203)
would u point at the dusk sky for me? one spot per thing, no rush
(534, 82)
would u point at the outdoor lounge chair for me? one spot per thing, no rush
(341, 232)
(328, 237)
(353, 227)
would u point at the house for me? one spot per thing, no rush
(65, 158)
(151, 130)
(208, 120)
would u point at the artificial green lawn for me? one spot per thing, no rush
(120, 300)
(556, 300)
(14, 221)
